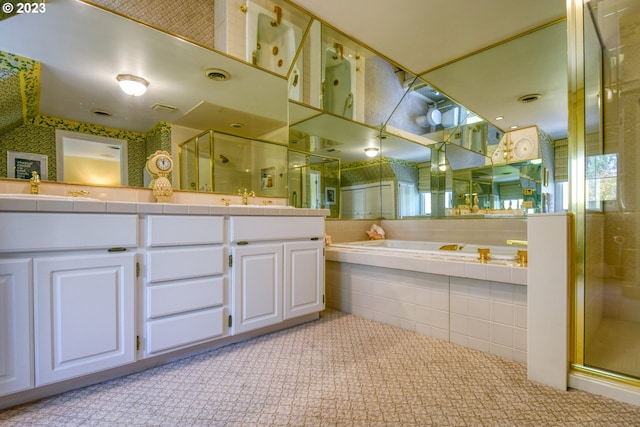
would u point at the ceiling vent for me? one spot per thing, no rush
(164, 108)
(217, 74)
(532, 97)
(102, 113)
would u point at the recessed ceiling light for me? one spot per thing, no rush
(217, 74)
(237, 125)
(499, 117)
(514, 127)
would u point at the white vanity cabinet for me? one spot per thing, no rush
(277, 269)
(257, 285)
(83, 269)
(16, 355)
(303, 277)
(185, 288)
(85, 314)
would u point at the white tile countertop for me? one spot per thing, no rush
(28, 203)
(494, 270)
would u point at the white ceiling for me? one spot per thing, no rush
(423, 34)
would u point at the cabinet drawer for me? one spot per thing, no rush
(165, 334)
(194, 294)
(251, 229)
(30, 231)
(172, 230)
(184, 263)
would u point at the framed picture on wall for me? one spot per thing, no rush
(330, 195)
(21, 165)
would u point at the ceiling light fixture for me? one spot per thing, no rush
(132, 85)
(371, 151)
(500, 118)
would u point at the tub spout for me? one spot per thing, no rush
(278, 11)
(339, 48)
(517, 242)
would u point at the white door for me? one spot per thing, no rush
(257, 286)
(16, 357)
(84, 314)
(304, 278)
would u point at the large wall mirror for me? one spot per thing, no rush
(445, 145)
(68, 58)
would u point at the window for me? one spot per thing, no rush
(602, 180)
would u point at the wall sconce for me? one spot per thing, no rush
(371, 151)
(132, 85)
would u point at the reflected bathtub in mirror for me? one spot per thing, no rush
(338, 81)
(271, 44)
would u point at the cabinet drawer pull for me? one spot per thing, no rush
(117, 250)
(315, 238)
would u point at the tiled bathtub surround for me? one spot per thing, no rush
(485, 315)
(481, 306)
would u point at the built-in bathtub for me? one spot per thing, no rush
(453, 250)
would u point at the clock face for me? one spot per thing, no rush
(163, 163)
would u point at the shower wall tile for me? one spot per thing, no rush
(474, 231)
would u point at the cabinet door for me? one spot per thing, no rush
(303, 278)
(16, 357)
(84, 314)
(257, 286)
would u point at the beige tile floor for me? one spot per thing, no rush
(341, 370)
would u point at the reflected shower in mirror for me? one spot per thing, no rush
(223, 163)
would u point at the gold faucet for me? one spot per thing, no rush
(35, 182)
(484, 255)
(339, 49)
(518, 242)
(245, 196)
(278, 11)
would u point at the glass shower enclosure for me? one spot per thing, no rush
(608, 296)
(221, 163)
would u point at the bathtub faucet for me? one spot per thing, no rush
(278, 11)
(518, 242)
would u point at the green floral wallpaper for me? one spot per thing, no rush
(158, 138)
(10, 100)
